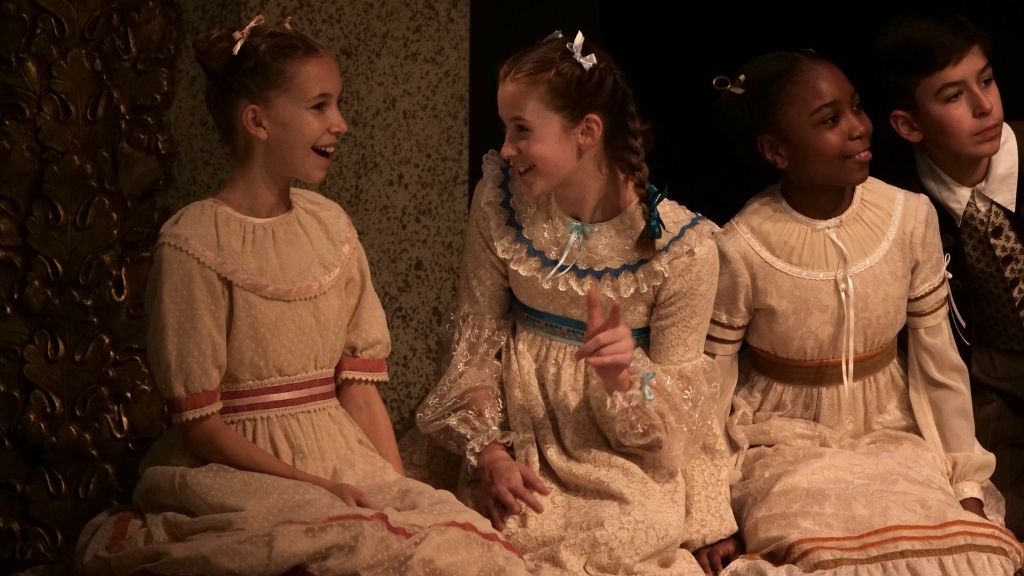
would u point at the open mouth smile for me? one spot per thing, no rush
(324, 151)
(862, 156)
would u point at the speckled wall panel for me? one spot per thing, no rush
(401, 170)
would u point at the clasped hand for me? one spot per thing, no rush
(351, 495)
(505, 485)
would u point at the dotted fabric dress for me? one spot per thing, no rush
(258, 320)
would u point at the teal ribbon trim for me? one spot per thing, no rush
(562, 329)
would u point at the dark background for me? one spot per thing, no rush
(670, 62)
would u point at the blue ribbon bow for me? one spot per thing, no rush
(645, 385)
(654, 223)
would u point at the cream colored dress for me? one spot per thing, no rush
(257, 320)
(636, 478)
(862, 475)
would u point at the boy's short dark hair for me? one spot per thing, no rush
(912, 47)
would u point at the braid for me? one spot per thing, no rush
(634, 167)
(634, 153)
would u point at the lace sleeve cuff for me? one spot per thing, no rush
(194, 406)
(465, 411)
(968, 490)
(632, 421)
(485, 439)
(664, 411)
(362, 369)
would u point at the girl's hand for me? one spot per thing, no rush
(713, 558)
(351, 495)
(504, 483)
(607, 344)
(974, 505)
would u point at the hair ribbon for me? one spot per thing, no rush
(654, 223)
(242, 35)
(576, 47)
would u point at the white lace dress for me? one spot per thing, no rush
(635, 475)
(844, 473)
(257, 320)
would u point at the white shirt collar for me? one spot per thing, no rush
(999, 185)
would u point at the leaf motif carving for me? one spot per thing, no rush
(85, 152)
(44, 359)
(13, 32)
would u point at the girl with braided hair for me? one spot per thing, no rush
(577, 388)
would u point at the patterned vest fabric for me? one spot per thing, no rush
(964, 289)
(994, 258)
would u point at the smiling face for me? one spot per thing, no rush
(821, 136)
(303, 121)
(541, 147)
(959, 111)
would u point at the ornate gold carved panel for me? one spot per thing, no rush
(84, 152)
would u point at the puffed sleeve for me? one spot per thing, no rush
(188, 314)
(940, 392)
(729, 319)
(667, 411)
(367, 341)
(465, 411)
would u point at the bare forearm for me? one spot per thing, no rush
(216, 442)
(362, 401)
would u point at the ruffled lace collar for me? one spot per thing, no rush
(532, 234)
(296, 255)
(801, 246)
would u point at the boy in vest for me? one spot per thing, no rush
(942, 97)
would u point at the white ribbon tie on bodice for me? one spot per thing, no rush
(844, 283)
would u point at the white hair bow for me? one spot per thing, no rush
(243, 34)
(576, 47)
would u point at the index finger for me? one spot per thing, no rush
(614, 316)
(716, 559)
(525, 494)
(533, 481)
(702, 558)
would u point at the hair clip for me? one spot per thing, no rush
(243, 34)
(723, 83)
(287, 23)
(553, 35)
(576, 47)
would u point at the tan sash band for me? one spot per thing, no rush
(821, 372)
